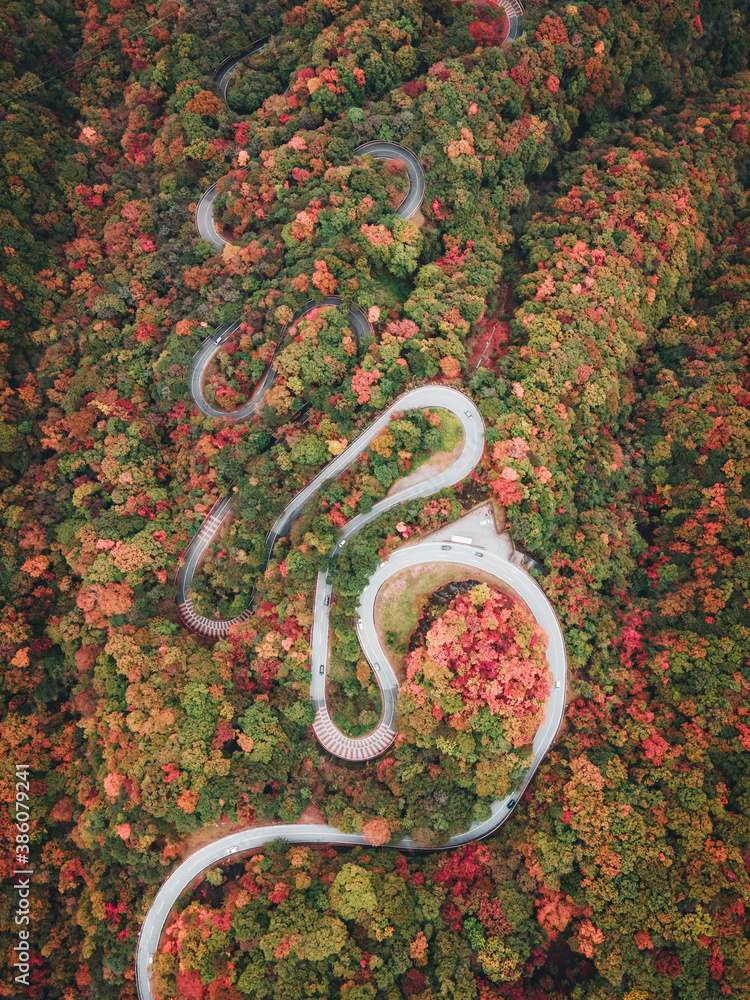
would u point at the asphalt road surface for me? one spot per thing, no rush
(204, 219)
(393, 151)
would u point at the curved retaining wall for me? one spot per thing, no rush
(514, 12)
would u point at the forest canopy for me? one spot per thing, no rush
(579, 268)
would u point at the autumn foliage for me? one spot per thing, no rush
(596, 169)
(483, 657)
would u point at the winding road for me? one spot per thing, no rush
(427, 395)
(358, 321)
(206, 226)
(414, 555)
(223, 75)
(458, 551)
(395, 151)
(204, 213)
(376, 742)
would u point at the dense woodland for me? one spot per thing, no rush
(591, 175)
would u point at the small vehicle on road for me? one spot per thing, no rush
(322, 668)
(511, 803)
(446, 548)
(376, 666)
(480, 554)
(327, 601)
